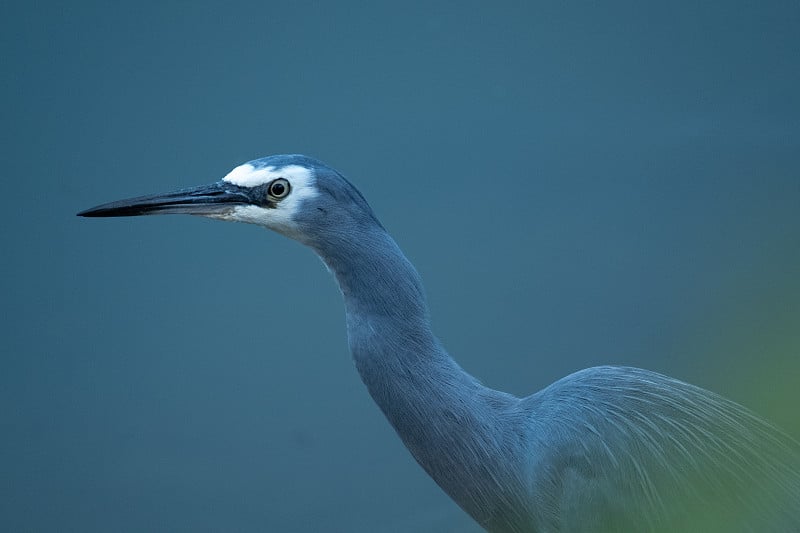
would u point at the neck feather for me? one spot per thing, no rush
(432, 403)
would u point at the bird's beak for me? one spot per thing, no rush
(207, 200)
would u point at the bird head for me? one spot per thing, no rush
(291, 194)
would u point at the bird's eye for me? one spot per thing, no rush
(278, 188)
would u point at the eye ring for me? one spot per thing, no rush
(279, 188)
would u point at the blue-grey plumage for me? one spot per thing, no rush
(604, 449)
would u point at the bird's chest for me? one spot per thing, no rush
(472, 469)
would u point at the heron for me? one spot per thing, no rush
(608, 448)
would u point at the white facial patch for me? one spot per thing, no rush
(249, 176)
(281, 217)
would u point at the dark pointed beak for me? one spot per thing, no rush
(207, 200)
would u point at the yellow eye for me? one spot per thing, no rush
(279, 188)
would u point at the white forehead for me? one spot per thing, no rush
(249, 176)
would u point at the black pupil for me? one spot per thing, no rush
(278, 189)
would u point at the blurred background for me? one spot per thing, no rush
(578, 183)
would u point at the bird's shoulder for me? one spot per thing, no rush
(622, 438)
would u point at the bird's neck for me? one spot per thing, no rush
(388, 322)
(432, 403)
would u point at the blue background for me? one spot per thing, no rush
(578, 183)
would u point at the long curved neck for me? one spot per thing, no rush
(388, 322)
(446, 418)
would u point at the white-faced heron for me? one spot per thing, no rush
(604, 449)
